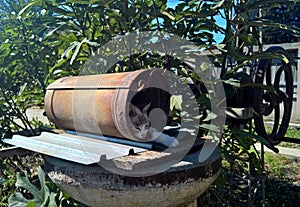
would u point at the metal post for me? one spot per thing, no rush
(249, 185)
(249, 169)
(297, 103)
(263, 184)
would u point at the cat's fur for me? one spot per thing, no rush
(142, 130)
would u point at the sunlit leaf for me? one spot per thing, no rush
(95, 44)
(210, 116)
(233, 82)
(168, 15)
(218, 4)
(268, 23)
(176, 102)
(210, 127)
(78, 1)
(25, 8)
(75, 53)
(70, 48)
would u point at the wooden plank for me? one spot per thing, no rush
(152, 162)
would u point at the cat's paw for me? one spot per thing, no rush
(175, 143)
(165, 139)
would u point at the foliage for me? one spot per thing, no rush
(48, 195)
(281, 185)
(42, 41)
(285, 193)
(243, 30)
(287, 13)
(8, 169)
(24, 65)
(41, 197)
(7, 183)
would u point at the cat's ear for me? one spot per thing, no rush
(146, 108)
(132, 110)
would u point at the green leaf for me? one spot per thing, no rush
(220, 181)
(254, 137)
(268, 23)
(17, 200)
(176, 102)
(233, 82)
(90, 42)
(168, 15)
(66, 53)
(52, 201)
(22, 88)
(262, 86)
(218, 4)
(210, 127)
(41, 197)
(78, 1)
(31, 204)
(77, 46)
(210, 115)
(59, 63)
(77, 49)
(26, 7)
(252, 5)
(23, 181)
(51, 32)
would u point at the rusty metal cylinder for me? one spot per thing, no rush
(99, 104)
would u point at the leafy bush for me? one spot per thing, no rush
(49, 194)
(42, 41)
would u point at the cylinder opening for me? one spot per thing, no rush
(148, 109)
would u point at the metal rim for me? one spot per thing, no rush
(267, 102)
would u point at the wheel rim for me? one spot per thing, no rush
(277, 101)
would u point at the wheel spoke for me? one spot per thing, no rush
(276, 120)
(277, 78)
(283, 97)
(272, 101)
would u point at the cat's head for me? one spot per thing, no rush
(140, 121)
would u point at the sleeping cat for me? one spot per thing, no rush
(142, 130)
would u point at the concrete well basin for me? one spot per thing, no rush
(96, 186)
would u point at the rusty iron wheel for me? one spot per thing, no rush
(274, 98)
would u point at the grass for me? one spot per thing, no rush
(284, 168)
(282, 182)
(292, 132)
(282, 186)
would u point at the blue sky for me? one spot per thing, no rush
(219, 19)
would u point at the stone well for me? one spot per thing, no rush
(96, 186)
